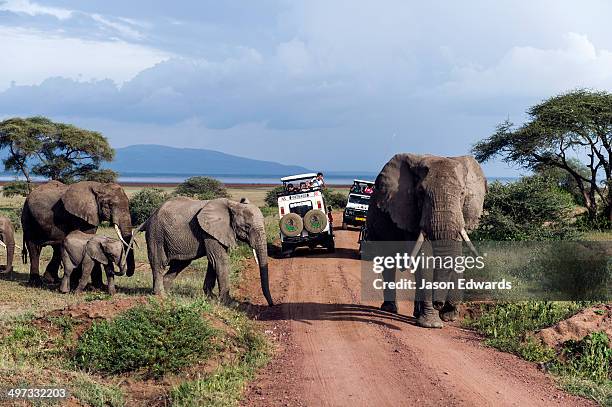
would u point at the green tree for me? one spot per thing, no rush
(202, 188)
(573, 125)
(15, 188)
(564, 179)
(58, 151)
(533, 208)
(145, 202)
(272, 196)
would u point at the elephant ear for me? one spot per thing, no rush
(94, 249)
(79, 199)
(395, 191)
(475, 190)
(215, 219)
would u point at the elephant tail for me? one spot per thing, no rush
(24, 254)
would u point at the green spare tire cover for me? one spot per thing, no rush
(315, 221)
(291, 225)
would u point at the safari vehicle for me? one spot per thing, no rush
(357, 204)
(305, 220)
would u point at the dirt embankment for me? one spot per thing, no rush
(336, 350)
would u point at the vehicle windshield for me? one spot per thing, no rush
(362, 188)
(360, 200)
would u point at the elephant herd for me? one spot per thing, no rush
(66, 218)
(416, 198)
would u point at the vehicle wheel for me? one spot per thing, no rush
(315, 221)
(344, 227)
(291, 225)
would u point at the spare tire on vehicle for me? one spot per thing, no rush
(315, 221)
(291, 225)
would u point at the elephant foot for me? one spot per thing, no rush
(48, 278)
(35, 280)
(64, 288)
(430, 320)
(389, 306)
(449, 313)
(6, 270)
(112, 290)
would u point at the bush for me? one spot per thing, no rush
(154, 339)
(105, 175)
(145, 202)
(202, 188)
(15, 188)
(14, 215)
(588, 358)
(337, 200)
(533, 208)
(271, 196)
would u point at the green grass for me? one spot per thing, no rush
(95, 394)
(154, 339)
(225, 385)
(581, 367)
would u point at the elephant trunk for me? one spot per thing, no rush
(260, 247)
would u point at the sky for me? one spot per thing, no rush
(331, 85)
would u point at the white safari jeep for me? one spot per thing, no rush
(358, 203)
(305, 220)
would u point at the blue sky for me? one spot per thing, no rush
(338, 85)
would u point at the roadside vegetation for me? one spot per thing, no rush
(566, 200)
(130, 348)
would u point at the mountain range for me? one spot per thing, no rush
(150, 158)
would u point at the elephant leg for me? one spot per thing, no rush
(10, 253)
(210, 280)
(52, 271)
(389, 296)
(96, 277)
(158, 278)
(34, 252)
(176, 266)
(87, 266)
(219, 258)
(427, 316)
(110, 279)
(68, 269)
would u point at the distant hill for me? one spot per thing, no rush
(149, 158)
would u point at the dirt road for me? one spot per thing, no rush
(335, 350)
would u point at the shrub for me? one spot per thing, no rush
(337, 200)
(533, 208)
(202, 188)
(104, 175)
(155, 339)
(15, 188)
(271, 196)
(588, 358)
(145, 202)
(14, 215)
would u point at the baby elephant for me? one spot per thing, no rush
(86, 250)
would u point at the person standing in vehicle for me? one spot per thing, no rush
(318, 181)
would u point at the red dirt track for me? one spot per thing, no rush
(334, 350)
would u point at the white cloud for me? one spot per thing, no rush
(537, 72)
(29, 57)
(34, 9)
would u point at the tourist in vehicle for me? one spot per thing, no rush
(368, 190)
(290, 188)
(318, 181)
(303, 186)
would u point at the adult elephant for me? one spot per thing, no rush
(425, 197)
(53, 210)
(184, 229)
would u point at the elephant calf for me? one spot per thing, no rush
(84, 250)
(7, 239)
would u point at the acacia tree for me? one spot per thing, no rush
(563, 128)
(58, 151)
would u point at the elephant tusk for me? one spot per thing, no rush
(119, 235)
(255, 255)
(417, 245)
(2, 244)
(467, 240)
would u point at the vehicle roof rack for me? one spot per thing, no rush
(309, 175)
(362, 181)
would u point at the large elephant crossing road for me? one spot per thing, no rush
(334, 350)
